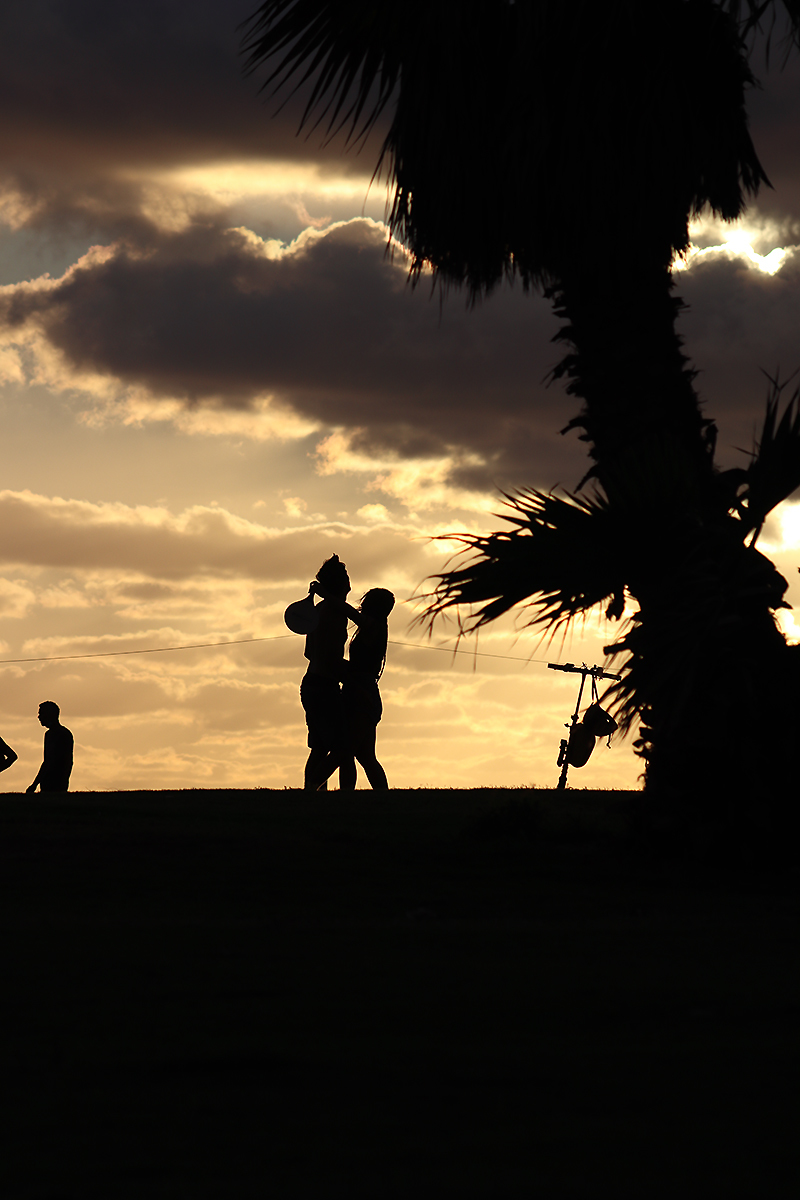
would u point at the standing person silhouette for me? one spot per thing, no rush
(320, 691)
(56, 766)
(361, 698)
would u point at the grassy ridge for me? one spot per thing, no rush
(467, 994)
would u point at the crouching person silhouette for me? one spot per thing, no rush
(320, 691)
(56, 765)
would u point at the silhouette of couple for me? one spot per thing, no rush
(340, 696)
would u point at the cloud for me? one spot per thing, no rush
(741, 323)
(144, 131)
(774, 111)
(16, 598)
(37, 531)
(220, 331)
(101, 105)
(93, 83)
(327, 328)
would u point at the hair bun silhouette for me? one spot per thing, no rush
(302, 616)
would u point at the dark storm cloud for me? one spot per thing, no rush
(92, 89)
(335, 333)
(157, 82)
(774, 110)
(332, 329)
(741, 323)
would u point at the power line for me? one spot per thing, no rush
(146, 650)
(472, 653)
(5, 662)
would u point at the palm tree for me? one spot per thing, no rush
(707, 672)
(554, 141)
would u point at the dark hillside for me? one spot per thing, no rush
(460, 994)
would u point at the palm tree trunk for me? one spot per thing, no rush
(712, 674)
(642, 416)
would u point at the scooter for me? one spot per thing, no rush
(576, 748)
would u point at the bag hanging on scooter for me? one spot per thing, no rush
(580, 746)
(598, 721)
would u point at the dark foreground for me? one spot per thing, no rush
(459, 994)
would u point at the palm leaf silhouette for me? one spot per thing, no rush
(348, 48)
(505, 117)
(562, 557)
(774, 472)
(777, 16)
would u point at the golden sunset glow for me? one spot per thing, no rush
(230, 182)
(214, 376)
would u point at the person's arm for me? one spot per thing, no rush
(358, 618)
(35, 783)
(9, 757)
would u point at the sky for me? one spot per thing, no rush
(213, 376)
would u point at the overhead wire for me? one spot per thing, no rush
(6, 662)
(472, 653)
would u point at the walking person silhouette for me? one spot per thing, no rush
(362, 707)
(54, 773)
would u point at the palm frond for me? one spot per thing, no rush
(504, 111)
(775, 17)
(774, 472)
(348, 49)
(562, 557)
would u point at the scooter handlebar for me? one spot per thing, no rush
(597, 672)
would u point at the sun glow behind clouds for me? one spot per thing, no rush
(232, 181)
(737, 239)
(787, 518)
(420, 484)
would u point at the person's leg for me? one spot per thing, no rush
(322, 703)
(314, 775)
(347, 774)
(319, 774)
(347, 764)
(365, 755)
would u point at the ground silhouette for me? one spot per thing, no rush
(477, 994)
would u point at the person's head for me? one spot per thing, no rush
(377, 602)
(49, 713)
(333, 576)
